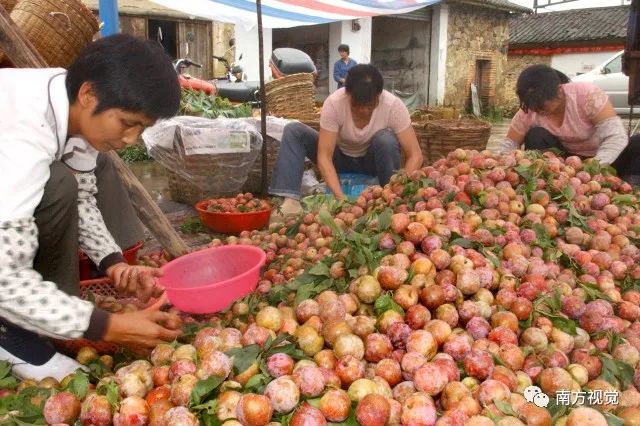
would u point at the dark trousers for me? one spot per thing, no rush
(382, 159)
(57, 258)
(627, 164)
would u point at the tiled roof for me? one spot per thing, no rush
(507, 5)
(602, 24)
(140, 7)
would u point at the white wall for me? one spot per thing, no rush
(573, 64)
(247, 44)
(439, 41)
(359, 44)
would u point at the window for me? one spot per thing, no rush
(614, 66)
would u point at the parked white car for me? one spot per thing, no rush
(609, 77)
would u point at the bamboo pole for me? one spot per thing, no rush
(263, 100)
(23, 55)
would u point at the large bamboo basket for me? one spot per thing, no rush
(59, 29)
(8, 4)
(439, 137)
(293, 94)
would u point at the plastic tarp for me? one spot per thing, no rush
(292, 13)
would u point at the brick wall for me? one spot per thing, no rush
(515, 65)
(475, 34)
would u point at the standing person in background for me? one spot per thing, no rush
(343, 65)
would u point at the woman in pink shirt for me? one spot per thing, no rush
(575, 118)
(362, 130)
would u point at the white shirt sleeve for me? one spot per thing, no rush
(25, 298)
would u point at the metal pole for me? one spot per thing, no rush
(109, 15)
(263, 101)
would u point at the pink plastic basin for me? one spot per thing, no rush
(210, 280)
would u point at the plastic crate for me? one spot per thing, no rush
(353, 184)
(97, 287)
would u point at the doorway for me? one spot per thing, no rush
(483, 82)
(166, 33)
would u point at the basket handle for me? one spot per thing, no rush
(54, 14)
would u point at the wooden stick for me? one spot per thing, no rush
(22, 53)
(148, 210)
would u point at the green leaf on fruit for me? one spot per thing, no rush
(244, 357)
(616, 372)
(320, 269)
(256, 383)
(613, 420)
(209, 419)
(564, 324)
(449, 197)
(326, 219)
(386, 303)
(624, 200)
(111, 391)
(79, 384)
(593, 292)
(7, 381)
(505, 408)
(203, 389)
(384, 220)
(315, 403)
(350, 421)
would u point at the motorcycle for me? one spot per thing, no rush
(234, 86)
(187, 81)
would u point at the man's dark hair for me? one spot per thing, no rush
(129, 73)
(538, 84)
(343, 48)
(364, 83)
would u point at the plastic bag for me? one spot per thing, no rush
(212, 156)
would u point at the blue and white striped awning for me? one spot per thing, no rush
(292, 13)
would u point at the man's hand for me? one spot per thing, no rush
(135, 280)
(143, 329)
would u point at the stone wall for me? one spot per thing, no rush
(515, 65)
(400, 49)
(475, 34)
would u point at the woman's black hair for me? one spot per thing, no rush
(129, 73)
(343, 48)
(538, 84)
(364, 83)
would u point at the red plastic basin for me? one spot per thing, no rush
(130, 256)
(232, 223)
(210, 280)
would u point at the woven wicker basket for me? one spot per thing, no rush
(293, 94)
(8, 4)
(59, 29)
(439, 137)
(202, 170)
(254, 180)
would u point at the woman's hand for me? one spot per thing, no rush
(143, 329)
(411, 148)
(135, 280)
(326, 145)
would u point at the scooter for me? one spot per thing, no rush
(233, 72)
(234, 86)
(186, 81)
(283, 62)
